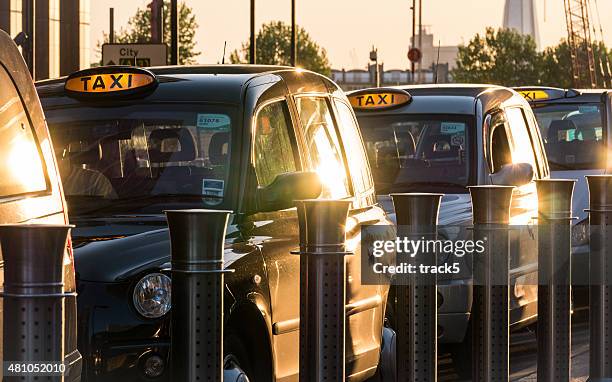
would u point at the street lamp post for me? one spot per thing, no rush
(252, 50)
(174, 32)
(413, 37)
(157, 21)
(293, 35)
(29, 29)
(111, 26)
(420, 67)
(374, 57)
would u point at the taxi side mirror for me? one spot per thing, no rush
(513, 174)
(286, 188)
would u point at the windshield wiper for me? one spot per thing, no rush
(144, 198)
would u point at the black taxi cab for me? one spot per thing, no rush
(30, 186)
(132, 143)
(444, 138)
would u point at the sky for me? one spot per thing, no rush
(348, 29)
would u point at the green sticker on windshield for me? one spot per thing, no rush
(213, 121)
(452, 127)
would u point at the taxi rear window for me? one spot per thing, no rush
(142, 157)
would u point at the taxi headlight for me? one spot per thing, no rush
(152, 298)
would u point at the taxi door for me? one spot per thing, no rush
(281, 146)
(274, 152)
(30, 188)
(510, 142)
(335, 152)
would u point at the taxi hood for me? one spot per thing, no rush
(124, 248)
(116, 259)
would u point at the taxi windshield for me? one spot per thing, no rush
(573, 135)
(142, 158)
(410, 152)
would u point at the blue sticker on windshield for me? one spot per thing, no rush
(213, 121)
(452, 127)
(212, 190)
(212, 187)
(588, 109)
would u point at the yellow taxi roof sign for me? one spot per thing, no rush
(379, 99)
(541, 93)
(107, 80)
(534, 95)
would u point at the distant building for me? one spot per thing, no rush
(355, 79)
(61, 34)
(362, 78)
(521, 16)
(429, 48)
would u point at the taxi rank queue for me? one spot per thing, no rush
(227, 153)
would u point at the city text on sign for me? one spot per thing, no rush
(141, 55)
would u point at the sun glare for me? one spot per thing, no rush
(28, 172)
(331, 172)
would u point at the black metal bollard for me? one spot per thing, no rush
(322, 289)
(197, 238)
(416, 299)
(490, 308)
(600, 274)
(554, 279)
(33, 317)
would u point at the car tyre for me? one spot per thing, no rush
(236, 362)
(461, 355)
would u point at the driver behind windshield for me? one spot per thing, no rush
(81, 181)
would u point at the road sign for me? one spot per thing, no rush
(414, 55)
(135, 54)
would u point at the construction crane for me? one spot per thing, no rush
(580, 44)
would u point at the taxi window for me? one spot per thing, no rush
(273, 154)
(323, 146)
(499, 152)
(573, 134)
(355, 153)
(418, 152)
(522, 148)
(22, 169)
(143, 157)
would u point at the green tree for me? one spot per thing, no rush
(273, 44)
(139, 31)
(503, 57)
(556, 67)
